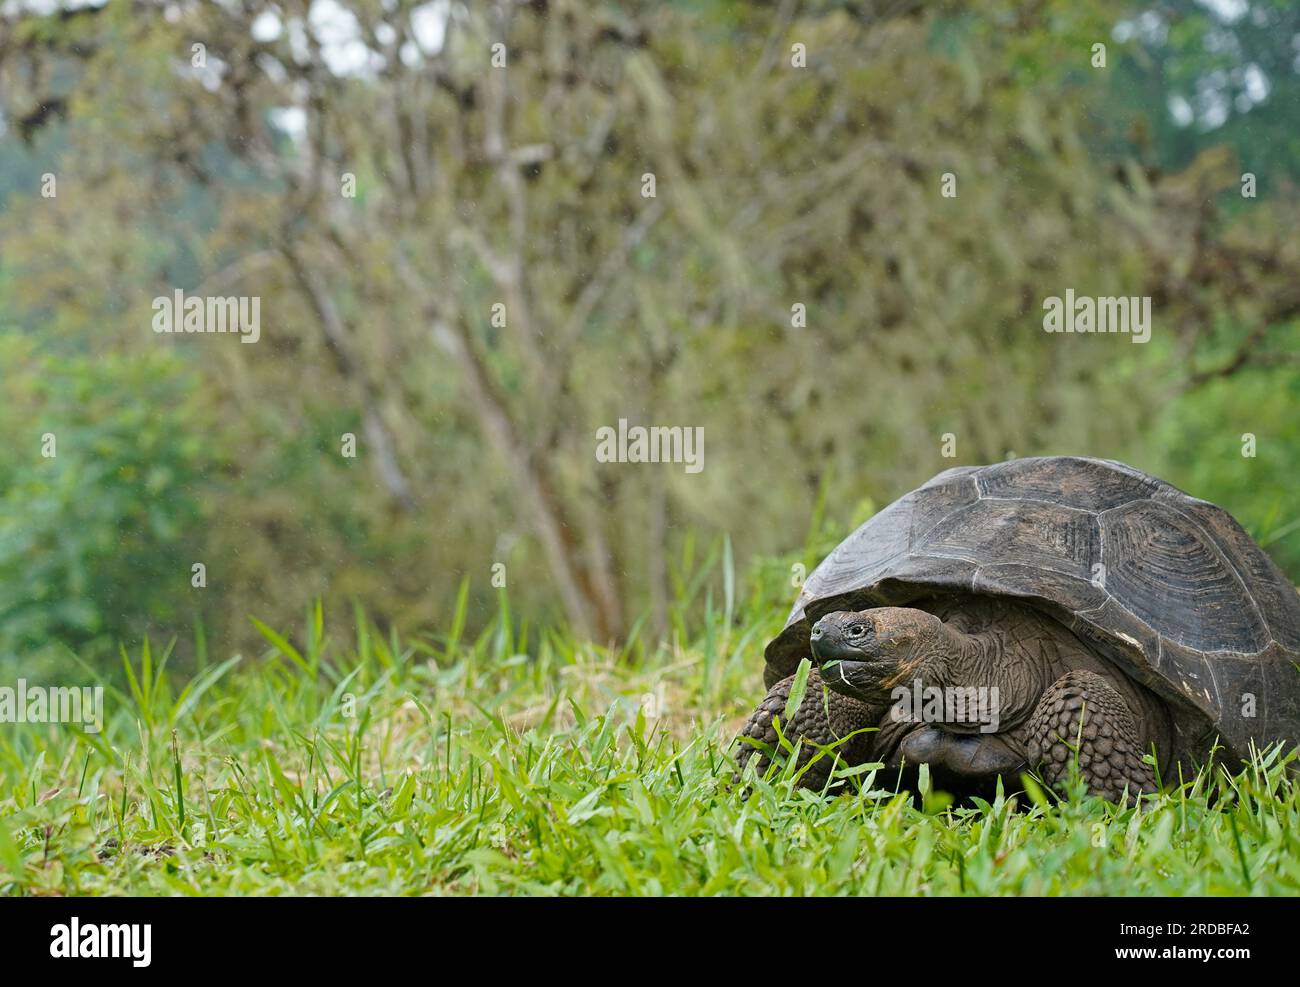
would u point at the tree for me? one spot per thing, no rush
(501, 284)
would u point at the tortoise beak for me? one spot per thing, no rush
(841, 636)
(844, 646)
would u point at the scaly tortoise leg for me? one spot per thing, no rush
(810, 722)
(1107, 745)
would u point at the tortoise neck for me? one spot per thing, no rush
(986, 660)
(959, 659)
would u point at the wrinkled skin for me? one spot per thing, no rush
(974, 689)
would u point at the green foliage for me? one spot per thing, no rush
(1230, 69)
(455, 766)
(96, 540)
(818, 186)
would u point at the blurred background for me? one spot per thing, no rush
(459, 264)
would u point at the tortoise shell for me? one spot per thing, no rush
(1168, 587)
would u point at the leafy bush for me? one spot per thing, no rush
(96, 540)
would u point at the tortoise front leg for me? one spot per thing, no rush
(1083, 713)
(811, 723)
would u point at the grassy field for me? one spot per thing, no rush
(525, 764)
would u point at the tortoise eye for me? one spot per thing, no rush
(857, 630)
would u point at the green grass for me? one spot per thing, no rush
(532, 765)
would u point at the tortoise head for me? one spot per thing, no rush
(869, 653)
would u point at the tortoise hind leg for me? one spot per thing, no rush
(811, 723)
(1082, 712)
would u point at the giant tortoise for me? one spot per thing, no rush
(1054, 615)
